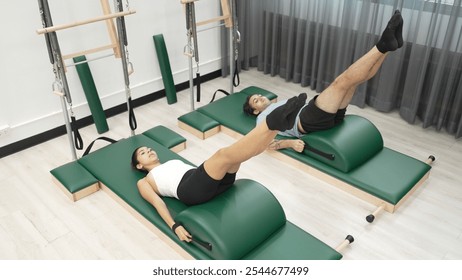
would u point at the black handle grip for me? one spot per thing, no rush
(204, 244)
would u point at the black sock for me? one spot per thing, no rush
(399, 34)
(388, 41)
(283, 117)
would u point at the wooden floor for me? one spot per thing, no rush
(37, 221)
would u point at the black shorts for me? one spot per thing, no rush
(197, 186)
(314, 119)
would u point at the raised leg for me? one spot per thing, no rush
(228, 159)
(351, 91)
(340, 92)
(330, 100)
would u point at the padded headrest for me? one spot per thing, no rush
(257, 90)
(350, 143)
(235, 222)
(229, 111)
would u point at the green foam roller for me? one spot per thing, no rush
(164, 63)
(89, 88)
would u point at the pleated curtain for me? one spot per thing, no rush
(312, 41)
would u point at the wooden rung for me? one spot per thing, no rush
(78, 23)
(72, 55)
(111, 28)
(212, 20)
(187, 1)
(227, 13)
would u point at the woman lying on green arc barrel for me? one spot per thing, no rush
(193, 185)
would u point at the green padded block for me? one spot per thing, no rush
(235, 222)
(73, 176)
(198, 121)
(352, 143)
(164, 63)
(292, 243)
(89, 88)
(165, 136)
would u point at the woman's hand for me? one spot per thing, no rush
(298, 145)
(183, 234)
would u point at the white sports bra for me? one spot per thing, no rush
(168, 176)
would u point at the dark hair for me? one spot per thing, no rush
(248, 110)
(135, 161)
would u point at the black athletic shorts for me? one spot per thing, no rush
(197, 186)
(314, 119)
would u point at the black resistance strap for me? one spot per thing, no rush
(77, 137)
(87, 151)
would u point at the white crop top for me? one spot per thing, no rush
(168, 176)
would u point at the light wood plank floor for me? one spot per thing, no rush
(38, 222)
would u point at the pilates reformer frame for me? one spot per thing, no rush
(229, 19)
(118, 45)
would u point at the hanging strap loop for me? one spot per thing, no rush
(77, 137)
(236, 79)
(131, 115)
(198, 86)
(110, 140)
(218, 90)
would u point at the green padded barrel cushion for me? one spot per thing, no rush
(236, 221)
(352, 143)
(73, 176)
(293, 243)
(164, 136)
(198, 121)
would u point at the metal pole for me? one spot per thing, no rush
(231, 50)
(58, 68)
(68, 128)
(190, 25)
(231, 60)
(191, 79)
(122, 44)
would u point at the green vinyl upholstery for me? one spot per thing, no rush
(74, 176)
(251, 215)
(351, 143)
(360, 158)
(225, 111)
(245, 222)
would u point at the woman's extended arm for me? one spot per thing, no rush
(151, 196)
(295, 144)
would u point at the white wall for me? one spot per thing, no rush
(28, 105)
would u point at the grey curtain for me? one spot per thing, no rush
(312, 41)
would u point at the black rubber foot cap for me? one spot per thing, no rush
(370, 218)
(350, 238)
